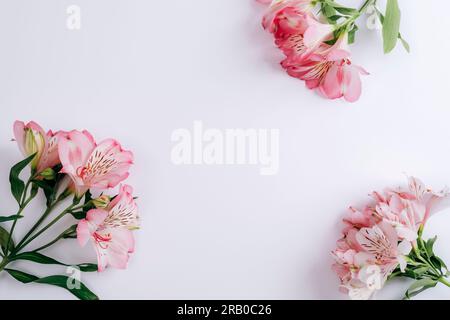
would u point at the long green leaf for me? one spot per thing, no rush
(400, 37)
(420, 286)
(17, 185)
(391, 25)
(10, 218)
(4, 235)
(83, 293)
(429, 246)
(42, 259)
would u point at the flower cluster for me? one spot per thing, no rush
(384, 240)
(72, 164)
(317, 46)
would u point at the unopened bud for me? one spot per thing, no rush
(101, 202)
(48, 174)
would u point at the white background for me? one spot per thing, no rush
(137, 70)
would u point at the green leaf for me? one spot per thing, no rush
(441, 262)
(346, 11)
(391, 25)
(351, 34)
(429, 246)
(83, 293)
(409, 273)
(10, 218)
(328, 10)
(4, 235)
(420, 286)
(436, 262)
(17, 185)
(87, 205)
(329, 13)
(87, 197)
(404, 43)
(342, 9)
(79, 215)
(420, 271)
(42, 259)
(333, 19)
(49, 188)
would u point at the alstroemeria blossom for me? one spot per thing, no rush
(287, 17)
(408, 209)
(327, 69)
(110, 230)
(342, 80)
(377, 239)
(292, 18)
(32, 139)
(90, 165)
(309, 55)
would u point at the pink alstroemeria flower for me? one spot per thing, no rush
(409, 209)
(377, 239)
(110, 230)
(327, 69)
(31, 139)
(384, 248)
(309, 57)
(287, 17)
(343, 80)
(90, 165)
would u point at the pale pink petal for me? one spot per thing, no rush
(87, 227)
(331, 85)
(83, 232)
(102, 256)
(108, 165)
(351, 83)
(316, 33)
(123, 211)
(19, 135)
(96, 216)
(116, 251)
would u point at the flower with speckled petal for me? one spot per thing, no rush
(90, 165)
(32, 139)
(110, 230)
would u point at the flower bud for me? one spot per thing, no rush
(34, 143)
(48, 174)
(31, 140)
(101, 202)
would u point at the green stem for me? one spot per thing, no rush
(444, 281)
(53, 241)
(82, 206)
(36, 225)
(22, 205)
(3, 264)
(365, 6)
(48, 244)
(346, 25)
(59, 217)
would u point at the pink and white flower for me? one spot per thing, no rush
(309, 57)
(90, 165)
(32, 139)
(110, 230)
(287, 17)
(408, 209)
(377, 239)
(342, 80)
(327, 69)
